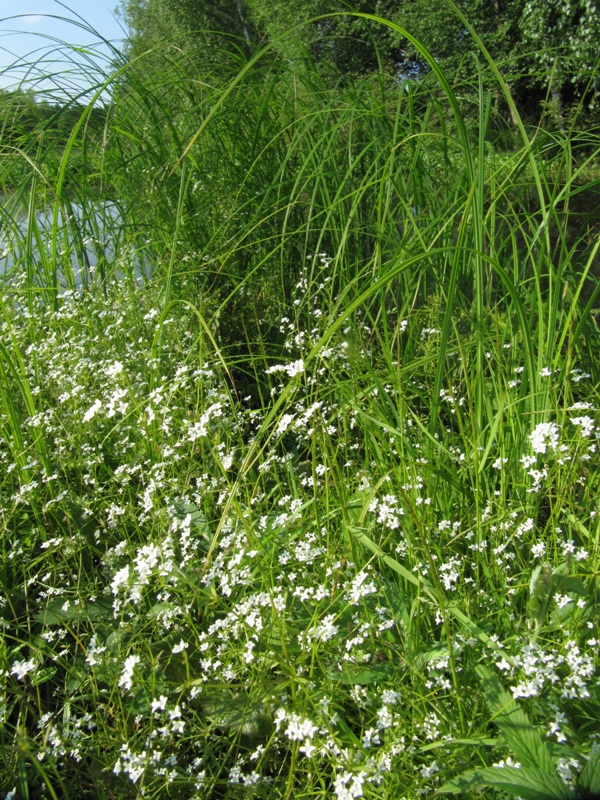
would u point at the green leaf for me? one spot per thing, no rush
(540, 592)
(526, 782)
(475, 630)
(198, 517)
(590, 775)
(362, 677)
(58, 611)
(43, 675)
(252, 719)
(568, 583)
(524, 740)
(475, 741)
(435, 653)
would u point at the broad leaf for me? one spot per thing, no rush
(526, 782)
(239, 714)
(524, 740)
(590, 775)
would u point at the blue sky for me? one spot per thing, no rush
(28, 31)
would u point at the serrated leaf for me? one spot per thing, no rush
(524, 740)
(526, 782)
(590, 775)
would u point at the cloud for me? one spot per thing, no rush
(33, 19)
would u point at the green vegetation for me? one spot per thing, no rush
(298, 438)
(546, 51)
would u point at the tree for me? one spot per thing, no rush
(541, 47)
(561, 37)
(341, 44)
(194, 25)
(441, 30)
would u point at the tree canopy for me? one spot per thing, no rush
(546, 50)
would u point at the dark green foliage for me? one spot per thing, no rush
(546, 52)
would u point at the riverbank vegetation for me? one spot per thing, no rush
(298, 433)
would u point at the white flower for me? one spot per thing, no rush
(508, 763)
(429, 771)
(132, 764)
(543, 436)
(249, 647)
(295, 368)
(199, 429)
(94, 651)
(115, 403)
(120, 579)
(284, 423)
(387, 510)
(585, 423)
(92, 410)
(348, 786)
(326, 630)
(385, 718)
(114, 369)
(565, 768)
(359, 588)
(562, 599)
(127, 677)
(390, 697)
(146, 559)
(22, 668)
(300, 728)
(308, 749)
(159, 705)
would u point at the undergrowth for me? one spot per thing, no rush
(298, 429)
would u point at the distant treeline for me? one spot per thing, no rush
(23, 114)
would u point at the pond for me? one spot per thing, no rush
(70, 245)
